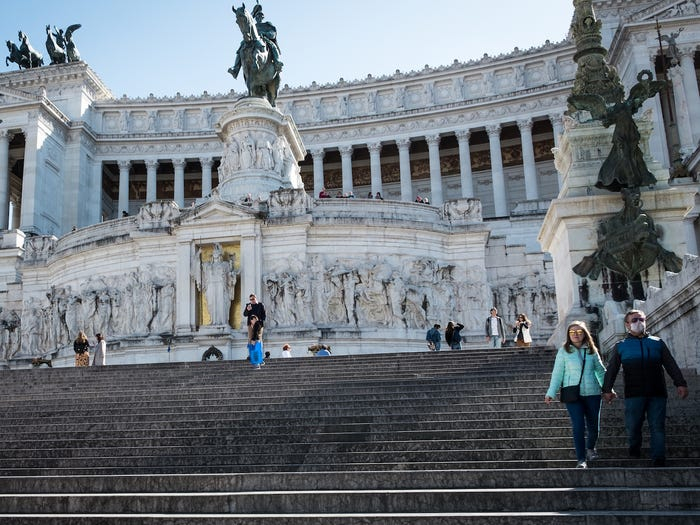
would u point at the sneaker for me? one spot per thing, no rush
(581, 464)
(591, 454)
(256, 367)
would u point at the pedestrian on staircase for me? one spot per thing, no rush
(255, 351)
(578, 363)
(495, 332)
(433, 338)
(453, 335)
(644, 358)
(81, 347)
(100, 358)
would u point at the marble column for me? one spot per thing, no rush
(375, 166)
(124, 167)
(435, 172)
(465, 163)
(29, 210)
(499, 187)
(151, 179)
(529, 169)
(317, 154)
(404, 146)
(346, 167)
(557, 127)
(685, 132)
(5, 138)
(206, 163)
(690, 86)
(179, 194)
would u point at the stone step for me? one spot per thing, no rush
(361, 501)
(415, 479)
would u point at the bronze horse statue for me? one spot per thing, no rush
(255, 58)
(24, 56)
(56, 52)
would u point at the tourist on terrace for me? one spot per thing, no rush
(81, 347)
(379, 197)
(453, 335)
(644, 358)
(419, 199)
(286, 351)
(578, 363)
(100, 358)
(495, 333)
(433, 338)
(323, 194)
(521, 329)
(369, 194)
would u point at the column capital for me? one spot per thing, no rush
(179, 163)
(463, 134)
(686, 52)
(6, 134)
(151, 164)
(556, 119)
(124, 165)
(374, 147)
(493, 130)
(345, 151)
(318, 153)
(525, 124)
(404, 143)
(433, 140)
(206, 162)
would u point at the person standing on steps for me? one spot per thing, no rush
(521, 329)
(81, 347)
(495, 332)
(643, 358)
(255, 350)
(433, 338)
(578, 363)
(453, 335)
(254, 308)
(100, 358)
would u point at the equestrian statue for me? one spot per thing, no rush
(258, 55)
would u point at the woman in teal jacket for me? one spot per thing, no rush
(585, 412)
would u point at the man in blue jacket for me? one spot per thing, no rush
(643, 358)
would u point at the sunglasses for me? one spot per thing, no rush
(576, 332)
(637, 319)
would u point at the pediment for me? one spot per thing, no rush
(217, 210)
(9, 96)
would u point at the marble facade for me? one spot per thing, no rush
(475, 138)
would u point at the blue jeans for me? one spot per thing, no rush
(585, 423)
(654, 408)
(495, 341)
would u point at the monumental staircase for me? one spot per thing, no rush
(406, 438)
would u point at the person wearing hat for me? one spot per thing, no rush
(433, 337)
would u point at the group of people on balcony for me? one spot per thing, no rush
(324, 194)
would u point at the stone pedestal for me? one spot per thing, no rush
(262, 148)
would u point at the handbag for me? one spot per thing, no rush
(572, 393)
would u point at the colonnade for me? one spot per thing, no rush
(436, 181)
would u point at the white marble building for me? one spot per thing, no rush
(475, 138)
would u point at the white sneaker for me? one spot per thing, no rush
(591, 454)
(581, 464)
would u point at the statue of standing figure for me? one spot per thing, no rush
(258, 55)
(216, 279)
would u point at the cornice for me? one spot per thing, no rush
(44, 76)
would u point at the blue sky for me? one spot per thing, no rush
(138, 47)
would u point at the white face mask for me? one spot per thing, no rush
(639, 327)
